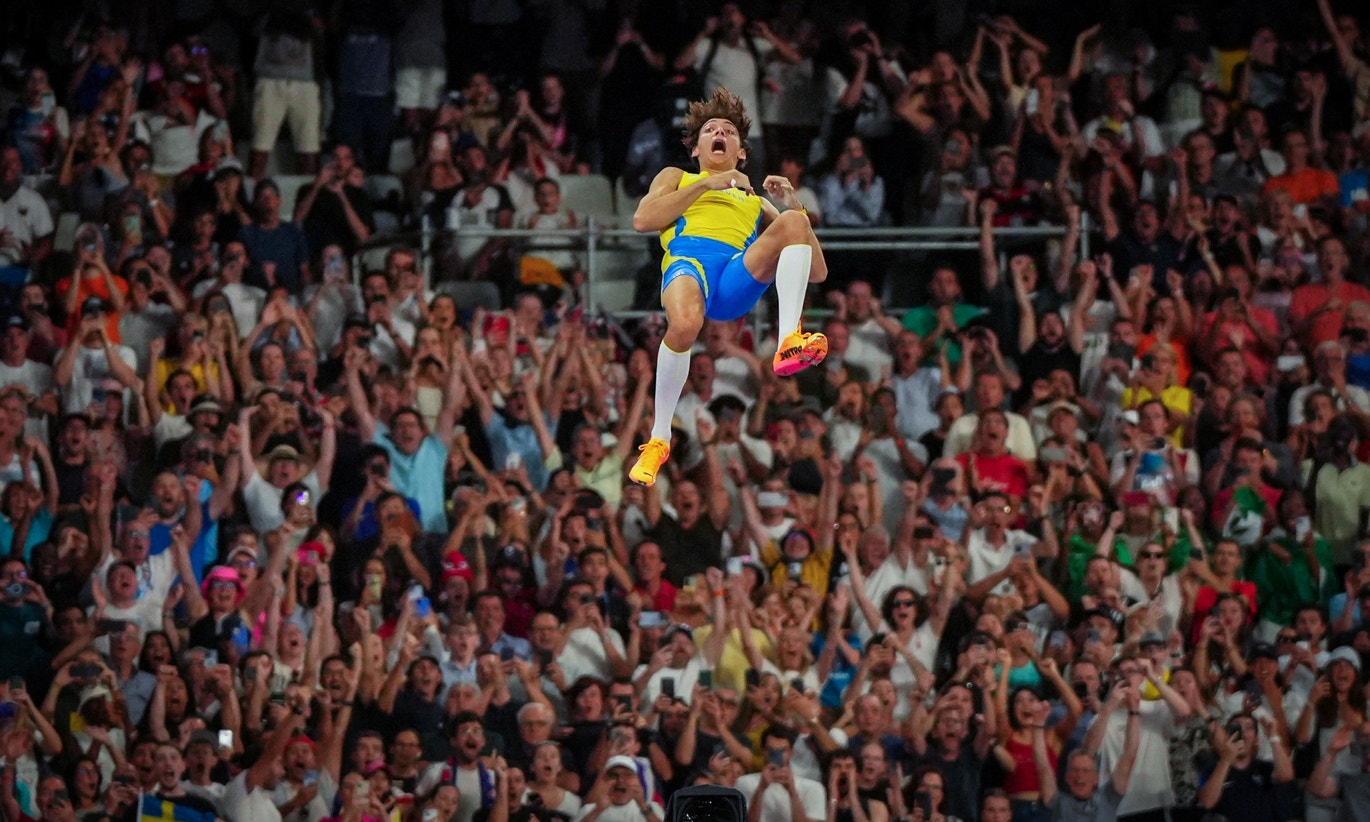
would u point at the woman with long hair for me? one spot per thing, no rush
(1019, 710)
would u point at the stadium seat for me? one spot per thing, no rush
(64, 236)
(624, 204)
(589, 195)
(401, 156)
(290, 186)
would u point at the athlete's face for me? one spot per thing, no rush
(719, 145)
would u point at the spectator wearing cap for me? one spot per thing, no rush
(1006, 201)
(412, 696)
(17, 368)
(215, 607)
(94, 363)
(26, 227)
(623, 797)
(284, 467)
(677, 659)
(416, 454)
(279, 250)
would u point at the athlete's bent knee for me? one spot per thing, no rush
(792, 227)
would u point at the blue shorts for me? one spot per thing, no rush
(729, 290)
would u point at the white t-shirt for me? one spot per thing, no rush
(263, 501)
(239, 805)
(685, 680)
(155, 577)
(26, 218)
(775, 803)
(37, 379)
(91, 371)
(175, 145)
(1150, 787)
(986, 560)
(627, 812)
(1019, 443)
(869, 348)
(734, 68)
(584, 655)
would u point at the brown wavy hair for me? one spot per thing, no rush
(723, 105)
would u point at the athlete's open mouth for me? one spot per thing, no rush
(720, 144)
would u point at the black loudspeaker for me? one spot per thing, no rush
(707, 803)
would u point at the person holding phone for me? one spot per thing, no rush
(1084, 797)
(776, 794)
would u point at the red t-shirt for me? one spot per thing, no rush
(1005, 473)
(1257, 361)
(664, 600)
(1208, 597)
(1309, 298)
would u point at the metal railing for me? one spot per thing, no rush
(595, 238)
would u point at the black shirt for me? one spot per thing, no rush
(427, 718)
(688, 551)
(1252, 795)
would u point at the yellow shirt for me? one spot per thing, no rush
(732, 668)
(1174, 397)
(730, 216)
(166, 366)
(814, 571)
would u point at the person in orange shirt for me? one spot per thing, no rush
(1303, 182)
(1317, 310)
(92, 279)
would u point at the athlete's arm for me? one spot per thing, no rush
(665, 201)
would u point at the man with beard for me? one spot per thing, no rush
(35, 377)
(465, 770)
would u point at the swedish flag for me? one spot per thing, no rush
(157, 809)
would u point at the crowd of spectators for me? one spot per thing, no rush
(1076, 536)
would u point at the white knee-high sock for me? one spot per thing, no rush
(672, 367)
(791, 284)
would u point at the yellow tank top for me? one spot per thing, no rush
(730, 216)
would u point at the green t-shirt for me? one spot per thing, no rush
(923, 321)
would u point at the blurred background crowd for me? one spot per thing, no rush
(314, 506)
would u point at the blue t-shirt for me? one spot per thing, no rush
(520, 439)
(419, 475)
(38, 532)
(285, 245)
(1355, 187)
(205, 549)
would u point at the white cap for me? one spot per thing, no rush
(620, 761)
(1343, 654)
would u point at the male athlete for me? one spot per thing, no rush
(724, 245)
